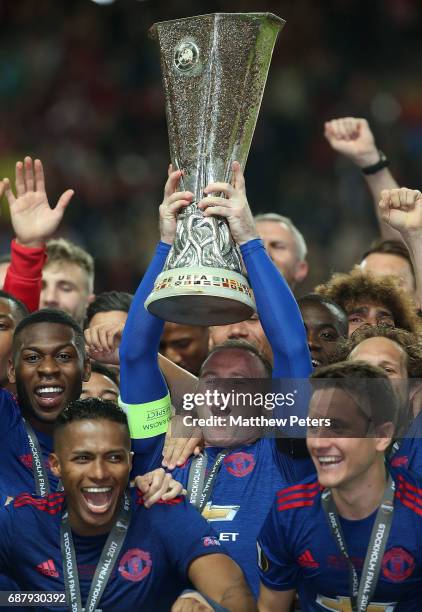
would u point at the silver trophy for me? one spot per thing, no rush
(214, 72)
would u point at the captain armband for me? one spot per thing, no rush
(149, 419)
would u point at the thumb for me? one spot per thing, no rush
(64, 201)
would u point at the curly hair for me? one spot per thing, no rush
(410, 343)
(350, 290)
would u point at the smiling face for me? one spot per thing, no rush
(48, 371)
(93, 460)
(370, 314)
(344, 453)
(323, 330)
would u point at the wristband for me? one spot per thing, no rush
(149, 419)
(382, 163)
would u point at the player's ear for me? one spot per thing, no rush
(54, 465)
(11, 375)
(384, 436)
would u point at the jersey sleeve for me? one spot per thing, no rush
(9, 413)
(185, 534)
(24, 274)
(279, 313)
(143, 391)
(277, 568)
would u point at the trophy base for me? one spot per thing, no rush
(201, 296)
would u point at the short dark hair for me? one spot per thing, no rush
(390, 247)
(377, 400)
(100, 368)
(51, 315)
(91, 409)
(19, 307)
(314, 298)
(109, 300)
(244, 346)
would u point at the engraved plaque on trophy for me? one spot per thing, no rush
(214, 71)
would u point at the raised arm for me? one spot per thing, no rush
(352, 137)
(401, 209)
(277, 308)
(143, 390)
(34, 222)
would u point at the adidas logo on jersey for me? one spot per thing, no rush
(306, 560)
(47, 568)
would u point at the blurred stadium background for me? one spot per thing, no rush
(80, 88)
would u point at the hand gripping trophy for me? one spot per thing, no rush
(214, 72)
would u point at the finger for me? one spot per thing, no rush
(172, 183)
(143, 482)
(395, 198)
(225, 188)
(176, 450)
(64, 201)
(175, 489)
(341, 129)
(384, 202)
(19, 182)
(213, 201)
(219, 211)
(176, 206)
(328, 130)
(238, 178)
(157, 489)
(29, 174)
(169, 169)
(39, 176)
(179, 195)
(104, 339)
(91, 337)
(350, 128)
(168, 449)
(10, 196)
(188, 449)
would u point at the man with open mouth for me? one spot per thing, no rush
(95, 542)
(350, 538)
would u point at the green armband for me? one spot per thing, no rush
(149, 419)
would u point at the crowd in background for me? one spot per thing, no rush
(81, 89)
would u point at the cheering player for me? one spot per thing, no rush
(54, 543)
(351, 538)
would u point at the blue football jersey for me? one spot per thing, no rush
(296, 550)
(152, 566)
(244, 490)
(16, 473)
(409, 454)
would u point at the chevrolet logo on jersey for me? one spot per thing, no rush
(219, 513)
(344, 604)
